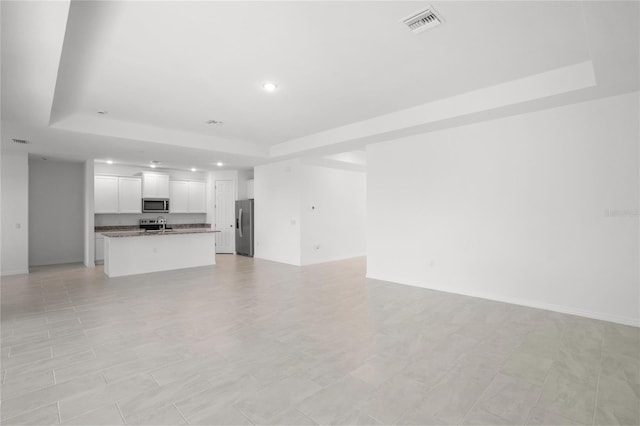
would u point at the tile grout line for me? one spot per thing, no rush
(180, 412)
(479, 398)
(124, 421)
(305, 415)
(155, 380)
(595, 400)
(542, 386)
(246, 417)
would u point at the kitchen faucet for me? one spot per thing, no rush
(162, 221)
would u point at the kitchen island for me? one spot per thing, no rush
(139, 252)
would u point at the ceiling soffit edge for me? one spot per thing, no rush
(555, 82)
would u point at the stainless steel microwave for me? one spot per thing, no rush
(155, 205)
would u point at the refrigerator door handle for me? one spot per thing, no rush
(240, 227)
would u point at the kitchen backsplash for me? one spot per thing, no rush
(134, 219)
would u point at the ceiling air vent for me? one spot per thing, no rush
(20, 141)
(422, 20)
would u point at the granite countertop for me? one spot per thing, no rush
(143, 233)
(113, 228)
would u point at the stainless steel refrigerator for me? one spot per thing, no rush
(244, 227)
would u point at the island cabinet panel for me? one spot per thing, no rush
(155, 185)
(105, 194)
(129, 195)
(187, 197)
(160, 252)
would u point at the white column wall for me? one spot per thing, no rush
(56, 212)
(89, 218)
(277, 203)
(14, 176)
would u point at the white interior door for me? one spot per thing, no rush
(225, 216)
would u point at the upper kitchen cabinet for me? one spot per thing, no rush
(187, 197)
(179, 196)
(113, 194)
(197, 197)
(129, 195)
(105, 194)
(155, 185)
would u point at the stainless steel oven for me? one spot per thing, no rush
(155, 205)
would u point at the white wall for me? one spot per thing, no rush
(14, 208)
(308, 214)
(333, 214)
(89, 219)
(539, 209)
(277, 205)
(56, 212)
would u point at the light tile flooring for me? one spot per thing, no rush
(256, 342)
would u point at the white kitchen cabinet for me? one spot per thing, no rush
(99, 252)
(155, 185)
(113, 194)
(197, 197)
(187, 197)
(250, 189)
(179, 196)
(129, 195)
(105, 194)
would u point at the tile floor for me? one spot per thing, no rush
(256, 342)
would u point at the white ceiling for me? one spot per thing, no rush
(349, 73)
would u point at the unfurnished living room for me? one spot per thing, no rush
(320, 212)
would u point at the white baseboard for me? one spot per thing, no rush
(14, 272)
(635, 322)
(334, 259)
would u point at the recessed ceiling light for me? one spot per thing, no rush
(193, 169)
(270, 86)
(109, 161)
(103, 112)
(219, 164)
